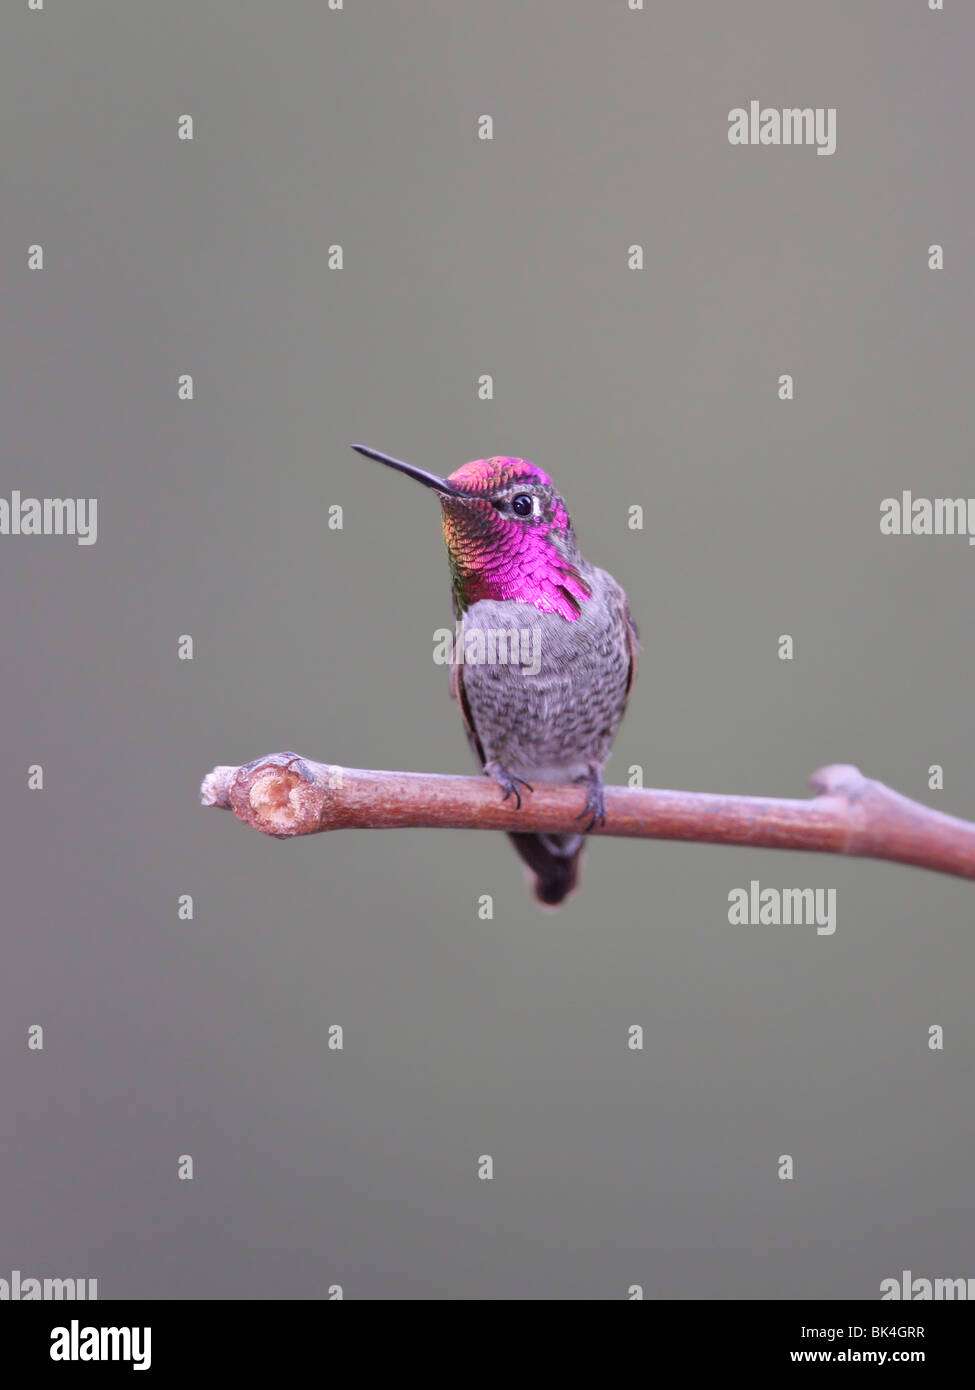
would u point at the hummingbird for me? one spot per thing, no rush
(516, 568)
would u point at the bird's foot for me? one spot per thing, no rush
(595, 807)
(508, 783)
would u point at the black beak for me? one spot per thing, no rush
(421, 476)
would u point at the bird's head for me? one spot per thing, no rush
(508, 533)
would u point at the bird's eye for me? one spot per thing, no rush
(522, 505)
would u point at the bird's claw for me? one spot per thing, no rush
(595, 807)
(509, 784)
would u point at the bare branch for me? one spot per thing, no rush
(285, 795)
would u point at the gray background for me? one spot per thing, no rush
(463, 1036)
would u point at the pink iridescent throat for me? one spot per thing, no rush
(497, 556)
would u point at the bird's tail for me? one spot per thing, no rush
(554, 860)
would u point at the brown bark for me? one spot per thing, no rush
(285, 795)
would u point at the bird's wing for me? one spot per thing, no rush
(457, 688)
(459, 694)
(632, 641)
(616, 596)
